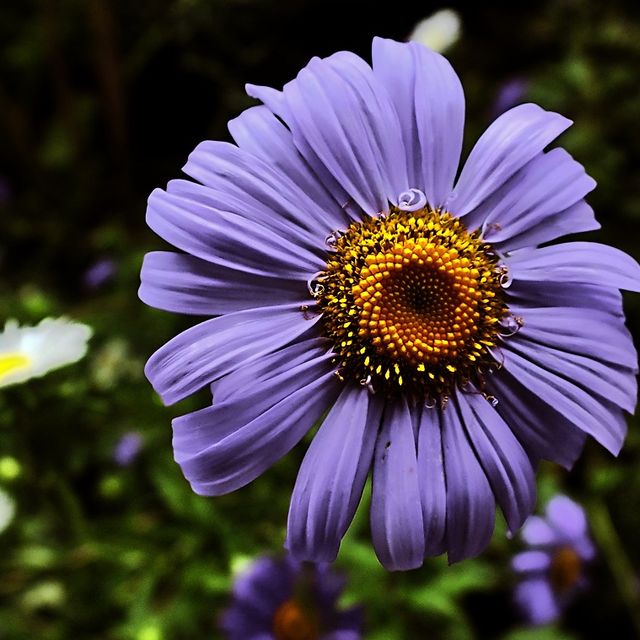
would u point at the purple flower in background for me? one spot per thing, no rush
(420, 321)
(100, 273)
(5, 191)
(551, 571)
(509, 95)
(283, 599)
(127, 448)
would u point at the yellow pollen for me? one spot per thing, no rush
(412, 300)
(292, 622)
(11, 362)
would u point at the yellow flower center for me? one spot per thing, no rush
(566, 568)
(10, 362)
(292, 622)
(412, 302)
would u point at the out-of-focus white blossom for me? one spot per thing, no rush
(31, 352)
(439, 31)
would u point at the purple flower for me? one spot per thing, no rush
(99, 273)
(419, 321)
(283, 599)
(551, 571)
(510, 94)
(127, 448)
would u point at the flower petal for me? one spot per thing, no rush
(429, 100)
(535, 599)
(238, 181)
(226, 446)
(536, 532)
(532, 294)
(547, 185)
(397, 528)
(332, 476)
(346, 118)
(431, 477)
(531, 561)
(503, 459)
(226, 238)
(543, 431)
(583, 262)
(261, 133)
(596, 335)
(215, 347)
(597, 417)
(507, 145)
(616, 384)
(566, 517)
(577, 218)
(471, 506)
(184, 284)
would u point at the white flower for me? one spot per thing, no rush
(7, 510)
(30, 352)
(439, 31)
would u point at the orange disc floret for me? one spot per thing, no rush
(412, 300)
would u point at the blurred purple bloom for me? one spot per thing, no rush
(100, 273)
(552, 569)
(510, 94)
(283, 599)
(430, 326)
(127, 448)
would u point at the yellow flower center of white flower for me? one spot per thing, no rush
(10, 362)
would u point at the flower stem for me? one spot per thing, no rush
(621, 568)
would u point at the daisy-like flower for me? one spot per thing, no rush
(284, 599)
(419, 320)
(552, 570)
(31, 352)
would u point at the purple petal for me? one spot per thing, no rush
(184, 284)
(505, 462)
(574, 219)
(584, 262)
(256, 372)
(258, 386)
(346, 118)
(531, 562)
(536, 532)
(332, 476)
(471, 505)
(239, 182)
(547, 185)
(598, 418)
(429, 100)
(566, 517)
(543, 432)
(616, 384)
(226, 238)
(213, 348)
(431, 477)
(261, 133)
(507, 145)
(226, 446)
(596, 335)
(536, 601)
(564, 294)
(397, 528)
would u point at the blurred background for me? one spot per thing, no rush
(100, 102)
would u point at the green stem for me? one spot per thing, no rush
(621, 568)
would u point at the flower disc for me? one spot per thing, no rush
(413, 303)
